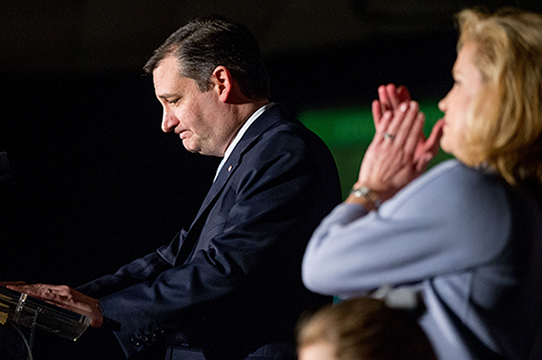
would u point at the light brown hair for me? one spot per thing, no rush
(366, 329)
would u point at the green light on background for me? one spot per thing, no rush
(349, 131)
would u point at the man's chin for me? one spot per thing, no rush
(208, 151)
(194, 151)
(189, 147)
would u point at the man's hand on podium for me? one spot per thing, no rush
(63, 296)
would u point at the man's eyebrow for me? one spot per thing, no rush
(167, 96)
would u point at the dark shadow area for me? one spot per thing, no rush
(350, 75)
(94, 182)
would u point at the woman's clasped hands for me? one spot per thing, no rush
(399, 151)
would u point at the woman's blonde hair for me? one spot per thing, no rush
(366, 329)
(505, 126)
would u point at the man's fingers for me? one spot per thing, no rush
(42, 291)
(26, 289)
(60, 289)
(8, 283)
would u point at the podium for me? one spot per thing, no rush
(18, 309)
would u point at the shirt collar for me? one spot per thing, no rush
(240, 134)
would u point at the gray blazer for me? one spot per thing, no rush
(469, 241)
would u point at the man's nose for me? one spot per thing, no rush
(169, 121)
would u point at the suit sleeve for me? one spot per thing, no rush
(145, 268)
(451, 219)
(261, 221)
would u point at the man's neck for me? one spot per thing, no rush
(243, 113)
(247, 109)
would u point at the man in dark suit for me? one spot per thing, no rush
(228, 286)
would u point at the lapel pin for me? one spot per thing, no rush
(229, 168)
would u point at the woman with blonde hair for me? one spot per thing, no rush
(468, 234)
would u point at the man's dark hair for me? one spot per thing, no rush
(210, 41)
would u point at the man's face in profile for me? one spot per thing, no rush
(196, 116)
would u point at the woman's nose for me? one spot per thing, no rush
(443, 104)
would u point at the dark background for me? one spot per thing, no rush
(94, 183)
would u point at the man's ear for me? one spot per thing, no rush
(223, 83)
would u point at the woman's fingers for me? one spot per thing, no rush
(405, 126)
(413, 138)
(384, 99)
(389, 99)
(399, 128)
(377, 112)
(389, 130)
(392, 96)
(385, 122)
(403, 94)
(433, 141)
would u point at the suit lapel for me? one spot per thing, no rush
(266, 120)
